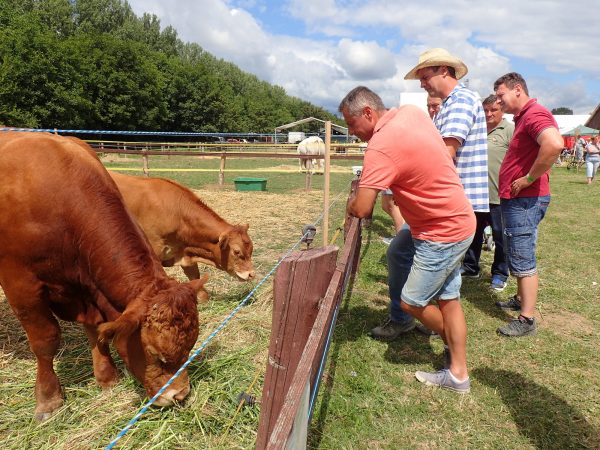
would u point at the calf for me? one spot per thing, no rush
(183, 230)
(69, 249)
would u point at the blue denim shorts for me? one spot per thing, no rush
(435, 272)
(520, 219)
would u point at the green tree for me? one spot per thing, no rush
(95, 64)
(562, 111)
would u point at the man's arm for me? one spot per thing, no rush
(551, 143)
(362, 201)
(452, 144)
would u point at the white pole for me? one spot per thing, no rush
(326, 182)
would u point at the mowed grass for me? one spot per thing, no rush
(282, 174)
(535, 392)
(540, 392)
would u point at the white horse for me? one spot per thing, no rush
(312, 145)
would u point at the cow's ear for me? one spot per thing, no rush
(198, 285)
(246, 226)
(223, 239)
(123, 327)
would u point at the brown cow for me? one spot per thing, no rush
(183, 230)
(69, 249)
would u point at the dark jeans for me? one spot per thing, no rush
(400, 256)
(471, 261)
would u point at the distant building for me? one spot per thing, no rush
(594, 119)
(568, 122)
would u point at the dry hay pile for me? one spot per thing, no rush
(91, 418)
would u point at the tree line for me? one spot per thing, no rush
(94, 64)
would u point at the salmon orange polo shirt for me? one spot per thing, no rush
(407, 155)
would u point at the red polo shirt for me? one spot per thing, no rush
(523, 150)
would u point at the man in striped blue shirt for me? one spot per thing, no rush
(460, 121)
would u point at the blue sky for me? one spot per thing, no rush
(320, 49)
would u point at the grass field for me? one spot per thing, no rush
(529, 393)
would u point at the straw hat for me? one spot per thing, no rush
(438, 57)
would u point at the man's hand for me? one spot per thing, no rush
(518, 185)
(361, 202)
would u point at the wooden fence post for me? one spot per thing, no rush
(326, 181)
(300, 283)
(289, 430)
(145, 161)
(222, 170)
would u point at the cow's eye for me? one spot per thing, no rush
(157, 354)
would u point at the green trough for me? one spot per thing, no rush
(250, 184)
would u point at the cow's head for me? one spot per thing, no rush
(236, 252)
(154, 337)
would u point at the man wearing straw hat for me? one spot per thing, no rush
(461, 122)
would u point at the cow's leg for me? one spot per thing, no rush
(43, 334)
(191, 271)
(105, 371)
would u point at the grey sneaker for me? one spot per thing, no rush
(426, 331)
(518, 327)
(465, 274)
(389, 330)
(512, 304)
(442, 379)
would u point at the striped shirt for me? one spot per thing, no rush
(461, 116)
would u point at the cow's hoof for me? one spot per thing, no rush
(45, 411)
(42, 416)
(108, 384)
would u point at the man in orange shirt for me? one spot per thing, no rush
(408, 155)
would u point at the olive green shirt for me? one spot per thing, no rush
(498, 140)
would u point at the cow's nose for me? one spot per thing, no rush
(172, 395)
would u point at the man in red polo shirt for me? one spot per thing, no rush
(408, 155)
(524, 190)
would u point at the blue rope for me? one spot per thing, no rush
(222, 325)
(133, 133)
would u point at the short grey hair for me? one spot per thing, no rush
(490, 99)
(359, 97)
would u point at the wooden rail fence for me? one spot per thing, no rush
(223, 151)
(308, 289)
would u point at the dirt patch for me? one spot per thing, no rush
(563, 322)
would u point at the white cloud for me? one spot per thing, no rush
(323, 48)
(365, 60)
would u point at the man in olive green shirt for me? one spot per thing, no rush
(500, 132)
